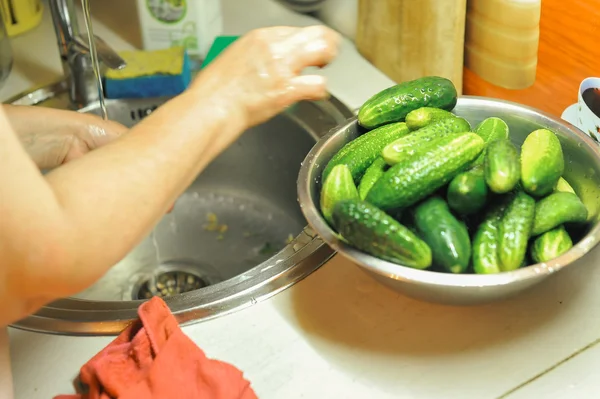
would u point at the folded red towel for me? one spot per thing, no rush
(152, 359)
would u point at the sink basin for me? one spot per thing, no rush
(235, 236)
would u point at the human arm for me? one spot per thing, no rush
(52, 137)
(60, 232)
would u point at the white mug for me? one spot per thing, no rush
(587, 121)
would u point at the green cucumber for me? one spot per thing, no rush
(360, 153)
(515, 230)
(556, 209)
(564, 186)
(338, 186)
(410, 181)
(371, 230)
(467, 192)
(447, 237)
(394, 103)
(491, 129)
(486, 259)
(542, 162)
(372, 174)
(426, 115)
(420, 140)
(502, 166)
(551, 245)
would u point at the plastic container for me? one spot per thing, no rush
(21, 16)
(193, 24)
(6, 54)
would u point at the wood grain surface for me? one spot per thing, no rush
(407, 39)
(568, 53)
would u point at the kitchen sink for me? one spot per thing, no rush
(236, 235)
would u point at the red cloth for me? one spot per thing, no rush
(152, 359)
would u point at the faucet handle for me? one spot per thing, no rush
(106, 54)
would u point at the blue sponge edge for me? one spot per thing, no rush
(150, 86)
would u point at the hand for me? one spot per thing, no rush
(259, 74)
(52, 137)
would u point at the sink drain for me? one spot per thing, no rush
(172, 279)
(169, 284)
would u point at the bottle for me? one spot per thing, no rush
(501, 41)
(567, 53)
(193, 24)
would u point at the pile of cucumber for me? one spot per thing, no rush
(424, 189)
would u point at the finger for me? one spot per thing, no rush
(102, 132)
(307, 87)
(271, 32)
(314, 46)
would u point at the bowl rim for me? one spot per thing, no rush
(404, 273)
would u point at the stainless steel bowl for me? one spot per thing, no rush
(582, 170)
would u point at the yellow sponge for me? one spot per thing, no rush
(154, 73)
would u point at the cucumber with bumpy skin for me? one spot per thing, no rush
(420, 140)
(515, 230)
(371, 230)
(551, 245)
(486, 240)
(338, 186)
(542, 162)
(372, 174)
(556, 209)
(394, 103)
(467, 192)
(410, 181)
(447, 237)
(491, 129)
(360, 153)
(426, 115)
(502, 166)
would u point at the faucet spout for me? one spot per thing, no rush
(105, 53)
(65, 23)
(75, 54)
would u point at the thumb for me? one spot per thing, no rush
(98, 132)
(307, 87)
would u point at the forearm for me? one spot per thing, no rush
(53, 136)
(27, 119)
(125, 187)
(122, 190)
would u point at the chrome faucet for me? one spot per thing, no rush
(75, 54)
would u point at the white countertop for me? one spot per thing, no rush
(339, 334)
